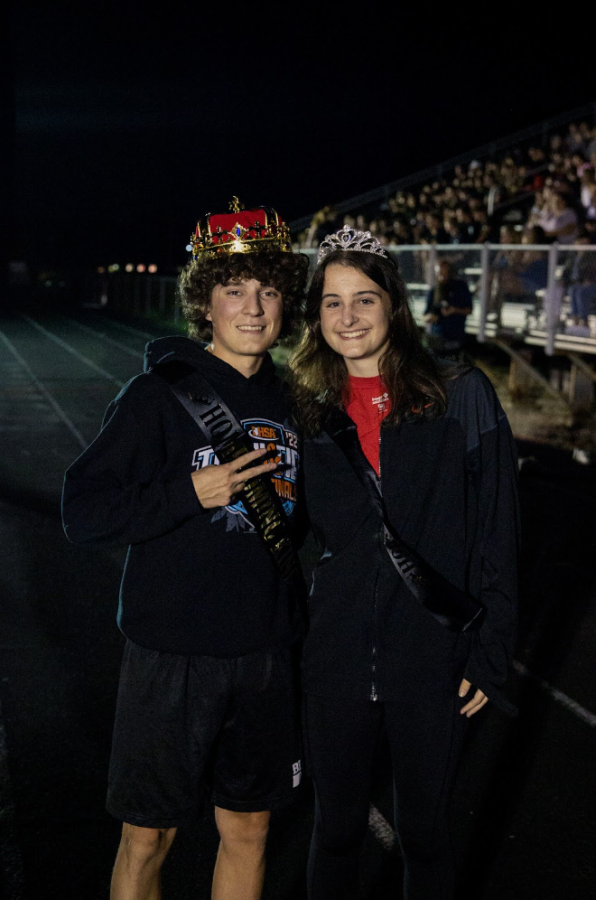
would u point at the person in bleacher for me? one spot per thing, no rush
(434, 233)
(559, 219)
(447, 305)
(580, 276)
(526, 272)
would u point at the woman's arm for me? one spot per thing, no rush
(493, 462)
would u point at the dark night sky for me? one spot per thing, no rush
(131, 123)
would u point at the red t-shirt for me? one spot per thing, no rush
(367, 405)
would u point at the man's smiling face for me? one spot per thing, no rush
(247, 317)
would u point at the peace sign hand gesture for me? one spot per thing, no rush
(217, 485)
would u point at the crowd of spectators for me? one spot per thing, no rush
(552, 187)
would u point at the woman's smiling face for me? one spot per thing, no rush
(355, 316)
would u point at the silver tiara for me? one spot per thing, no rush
(349, 239)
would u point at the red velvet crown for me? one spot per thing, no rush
(240, 231)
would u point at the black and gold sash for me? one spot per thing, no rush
(223, 431)
(452, 607)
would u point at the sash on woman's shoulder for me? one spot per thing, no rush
(453, 608)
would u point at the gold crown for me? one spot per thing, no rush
(240, 231)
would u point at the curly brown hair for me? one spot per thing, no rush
(286, 272)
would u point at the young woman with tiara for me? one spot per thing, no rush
(410, 482)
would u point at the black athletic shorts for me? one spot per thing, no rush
(187, 723)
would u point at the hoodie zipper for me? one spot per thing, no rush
(373, 665)
(373, 693)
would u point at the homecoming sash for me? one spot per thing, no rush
(229, 440)
(453, 608)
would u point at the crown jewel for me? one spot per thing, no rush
(349, 239)
(240, 231)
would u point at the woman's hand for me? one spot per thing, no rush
(216, 485)
(477, 702)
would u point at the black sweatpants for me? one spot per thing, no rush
(425, 736)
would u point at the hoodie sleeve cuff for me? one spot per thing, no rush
(487, 669)
(494, 694)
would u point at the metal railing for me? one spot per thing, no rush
(136, 295)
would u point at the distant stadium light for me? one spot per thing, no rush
(129, 267)
(100, 270)
(114, 268)
(152, 268)
(141, 268)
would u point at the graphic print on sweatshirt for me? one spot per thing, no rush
(266, 435)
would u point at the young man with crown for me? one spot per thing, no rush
(206, 694)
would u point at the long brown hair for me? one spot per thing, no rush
(319, 376)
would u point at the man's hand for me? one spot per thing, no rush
(477, 702)
(216, 485)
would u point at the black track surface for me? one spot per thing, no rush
(524, 808)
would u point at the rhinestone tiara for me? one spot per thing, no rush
(349, 239)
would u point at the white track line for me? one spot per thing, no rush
(100, 334)
(381, 829)
(69, 349)
(571, 705)
(143, 334)
(45, 393)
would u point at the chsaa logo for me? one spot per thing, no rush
(282, 443)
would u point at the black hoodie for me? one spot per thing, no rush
(449, 490)
(196, 581)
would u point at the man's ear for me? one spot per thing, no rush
(208, 314)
